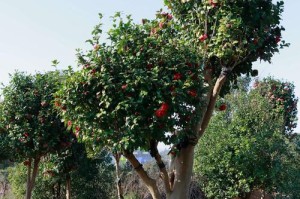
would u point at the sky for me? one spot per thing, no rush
(33, 33)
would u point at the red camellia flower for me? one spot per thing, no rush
(169, 16)
(164, 106)
(162, 111)
(277, 39)
(161, 25)
(192, 93)
(69, 123)
(203, 37)
(149, 66)
(177, 76)
(222, 107)
(124, 86)
(212, 3)
(159, 113)
(26, 134)
(96, 47)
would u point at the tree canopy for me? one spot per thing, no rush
(247, 148)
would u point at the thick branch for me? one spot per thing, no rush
(149, 182)
(211, 105)
(28, 194)
(162, 167)
(119, 185)
(208, 72)
(34, 172)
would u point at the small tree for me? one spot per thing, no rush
(281, 95)
(33, 128)
(92, 178)
(246, 148)
(165, 76)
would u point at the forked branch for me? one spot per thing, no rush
(212, 101)
(162, 167)
(149, 182)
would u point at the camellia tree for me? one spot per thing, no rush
(61, 164)
(251, 151)
(32, 126)
(282, 95)
(159, 81)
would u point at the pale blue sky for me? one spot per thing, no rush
(33, 33)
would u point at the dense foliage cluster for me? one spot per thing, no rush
(144, 83)
(33, 128)
(158, 81)
(246, 148)
(93, 179)
(282, 96)
(231, 33)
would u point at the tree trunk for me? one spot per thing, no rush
(182, 168)
(28, 192)
(68, 186)
(119, 185)
(31, 176)
(149, 182)
(58, 190)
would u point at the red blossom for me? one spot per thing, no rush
(159, 113)
(277, 39)
(222, 107)
(192, 93)
(69, 123)
(96, 47)
(124, 86)
(212, 3)
(149, 66)
(164, 106)
(177, 76)
(161, 25)
(203, 37)
(162, 111)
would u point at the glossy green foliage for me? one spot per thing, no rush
(245, 148)
(282, 95)
(231, 33)
(148, 78)
(127, 93)
(93, 178)
(32, 126)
